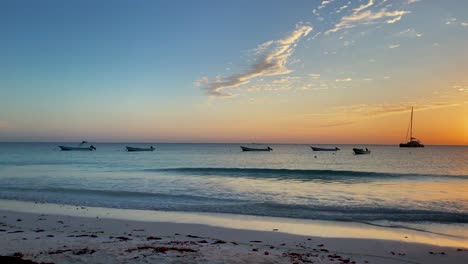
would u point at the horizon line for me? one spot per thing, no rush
(259, 143)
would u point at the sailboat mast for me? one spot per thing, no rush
(411, 126)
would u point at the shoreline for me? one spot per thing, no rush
(70, 234)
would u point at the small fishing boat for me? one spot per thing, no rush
(80, 147)
(414, 142)
(325, 149)
(255, 149)
(130, 149)
(358, 151)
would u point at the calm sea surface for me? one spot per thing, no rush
(428, 185)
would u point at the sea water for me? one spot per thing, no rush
(392, 186)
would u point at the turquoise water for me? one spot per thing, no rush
(428, 185)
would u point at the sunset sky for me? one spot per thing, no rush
(234, 71)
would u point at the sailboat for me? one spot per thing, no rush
(414, 142)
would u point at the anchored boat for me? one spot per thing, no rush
(324, 149)
(414, 142)
(80, 147)
(255, 149)
(359, 151)
(130, 149)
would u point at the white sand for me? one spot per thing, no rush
(74, 239)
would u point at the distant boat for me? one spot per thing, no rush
(414, 142)
(325, 149)
(255, 149)
(80, 147)
(130, 149)
(358, 151)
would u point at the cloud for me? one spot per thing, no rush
(201, 81)
(344, 80)
(336, 124)
(394, 46)
(324, 4)
(362, 7)
(314, 75)
(410, 33)
(363, 15)
(341, 9)
(272, 57)
(368, 110)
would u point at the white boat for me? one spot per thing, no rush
(79, 148)
(255, 149)
(130, 149)
(324, 149)
(358, 151)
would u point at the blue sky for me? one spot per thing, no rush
(192, 71)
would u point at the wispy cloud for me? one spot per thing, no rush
(314, 75)
(344, 80)
(394, 46)
(324, 3)
(410, 33)
(364, 15)
(272, 59)
(362, 7)
(372, 110)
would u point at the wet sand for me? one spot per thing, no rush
(52, 238)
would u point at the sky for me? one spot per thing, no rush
(313, 72)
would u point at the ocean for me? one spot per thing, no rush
(391, 186)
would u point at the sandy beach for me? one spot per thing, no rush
(92, 238)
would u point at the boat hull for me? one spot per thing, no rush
(324, 149)
(255, 149)
(132, 149)
(408, 145)
(65, 148)
(361, 151)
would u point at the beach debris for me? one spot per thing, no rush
(254, 249)
(202, 241)
(39, 230)
(50, 236)
(19, 260)
(161, 249)
(17, 231)
(122, 238)
(84, 251)
(191, 236)
(295, 257)
(85, 235)
(153, 238)
(18, 220)
(256, 241)
(219, 241)
(266, 253)
(437, 253)
(275, 229)
(74, 252)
